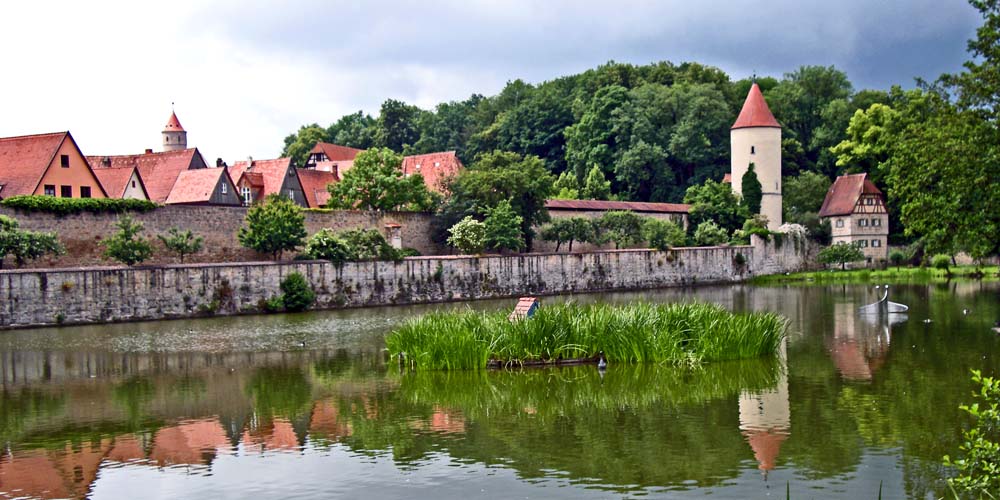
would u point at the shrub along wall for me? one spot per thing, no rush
(121, 294)
(82, 233)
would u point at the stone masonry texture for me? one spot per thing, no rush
(111, 294)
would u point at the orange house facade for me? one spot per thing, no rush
(46, 164)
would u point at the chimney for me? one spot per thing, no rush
(219, 162)
(106, 161)
(149, 151)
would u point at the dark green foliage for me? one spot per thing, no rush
(25, 245)
(376, 182)
(296, 294)
(273, 227)
(687, 334)
(897, 257)
(941, 261)
(716, 202)
(841, 253)
(181, 242)
(298, 145)
(978, 465)
(368, 244)
(126, 246)
(66, 206)
(662, 234)
(622, 227)
(752, 193)
(496, 177)
(503, 228)
(803, 195)
(396, 126)
(569, 230)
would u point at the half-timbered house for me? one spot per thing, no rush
(857, 214)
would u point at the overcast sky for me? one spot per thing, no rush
(244, 74)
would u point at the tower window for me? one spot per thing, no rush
(753, 150)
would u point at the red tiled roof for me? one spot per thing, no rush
(24, 160)
(728, 178)
(601, 205)
(195, 186)
(269, 173)
(173, 124)
(844, 193)
(115, 180)
(436, 168)
(158, 171)
(755, 112)
(314, 184)
(335, 152)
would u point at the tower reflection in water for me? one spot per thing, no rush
(765, 418)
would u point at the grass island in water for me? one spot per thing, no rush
(635, 333)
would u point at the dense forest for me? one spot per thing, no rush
(654, 130)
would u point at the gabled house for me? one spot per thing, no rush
(435, 168)
(204, 186)
(314, 186)
(159, 171)
(857, 214)
(256, 179)
(332, 158)
(46, 164)
(124, 183)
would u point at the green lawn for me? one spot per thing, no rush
(890, 275)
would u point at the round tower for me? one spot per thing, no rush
(174, 135)
(756, 138)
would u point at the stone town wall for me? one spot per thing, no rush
(82, 233)
(104, 294)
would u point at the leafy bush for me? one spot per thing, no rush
(979, 466)
(274, 226)
(710, 234)
(503, 228)
(296, 294)
(328, 245)
(67, 206)
(897, 257)
(368, 244)
(181, 242)
(468, 236)
(25, 245)
(126, 246)
(941, 261)
(622, 227)
(563, 230)
(662, 234)
(409, 252)
(841, 253)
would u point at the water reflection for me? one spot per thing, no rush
(78, 422)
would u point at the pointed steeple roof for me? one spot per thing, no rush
(755, 112)
(173, 124)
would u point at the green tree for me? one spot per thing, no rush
(622, 227)
(710, 234)
(468, 236)
(752, 193)
(800, 100)
(596, 186)
(356, 130)
(503, 228)
(326, 244)
(396, 126)
(298, 145)
(803, 194)
(25, 245)
(568, 230)
(978, 465)
(126, 246)
(273, 227)
(715, 201)
(495, 177)
(841, 253)
(368, 244)
(376, 182)
(566, 187)
(296, 294)
(662, 234)
(181, 242)
(590, 141)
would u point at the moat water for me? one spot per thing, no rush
(307, 406)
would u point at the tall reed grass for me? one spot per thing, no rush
(635, 333)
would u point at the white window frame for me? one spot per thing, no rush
(876, 243)
(863, 222)
(876, 222)
(225, 188)
(839, 223)
(246, 196)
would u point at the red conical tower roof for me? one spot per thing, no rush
(173, 124)
(755, 112)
